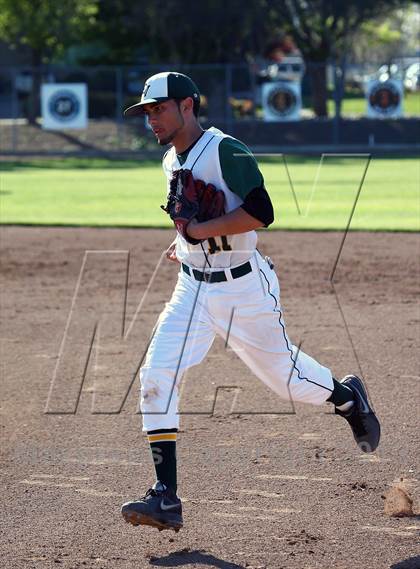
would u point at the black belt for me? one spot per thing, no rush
(218, 276)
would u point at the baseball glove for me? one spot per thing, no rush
(189, 199)
(211, 201)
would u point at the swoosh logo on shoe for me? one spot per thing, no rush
(165, 507)
(362, 399)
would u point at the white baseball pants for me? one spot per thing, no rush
(197, 312)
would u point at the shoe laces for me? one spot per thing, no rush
(150, 492)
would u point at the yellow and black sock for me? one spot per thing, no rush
(163, 447)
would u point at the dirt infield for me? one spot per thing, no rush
(286, 488)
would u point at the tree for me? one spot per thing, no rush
(323, 29)
(119, 34)
(387, 38)
(220, 31)
(208, 32)
(47, 27)
(175, 32)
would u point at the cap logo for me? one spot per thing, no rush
(146, 88)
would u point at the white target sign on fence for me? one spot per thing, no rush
(281, 101)
(384, 99)
(64, 105)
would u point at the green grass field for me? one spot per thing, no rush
(115, 193)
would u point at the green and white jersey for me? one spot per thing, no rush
(221, 160)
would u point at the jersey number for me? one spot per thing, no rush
(214, 247)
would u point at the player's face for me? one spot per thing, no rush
(165, 120)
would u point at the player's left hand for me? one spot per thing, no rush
(191, 201)
(183, 202)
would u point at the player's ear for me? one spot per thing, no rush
(187, 104)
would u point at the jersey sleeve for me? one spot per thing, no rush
(239, 168)
(258, 204)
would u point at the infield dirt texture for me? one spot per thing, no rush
(276, 490)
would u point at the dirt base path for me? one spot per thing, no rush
(284, 489)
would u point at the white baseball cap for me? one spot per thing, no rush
(162, 87)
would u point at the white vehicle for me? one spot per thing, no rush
(412, 77)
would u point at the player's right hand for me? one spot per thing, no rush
(171, 253)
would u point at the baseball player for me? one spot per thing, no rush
(217, 199)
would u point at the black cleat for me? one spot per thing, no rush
(361, 417)
(160, 507)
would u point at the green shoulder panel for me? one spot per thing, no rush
(241, 173)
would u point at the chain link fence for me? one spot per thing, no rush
(234, 98)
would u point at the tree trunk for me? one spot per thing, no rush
(318, 77)
(340, 82)
(35, 94)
